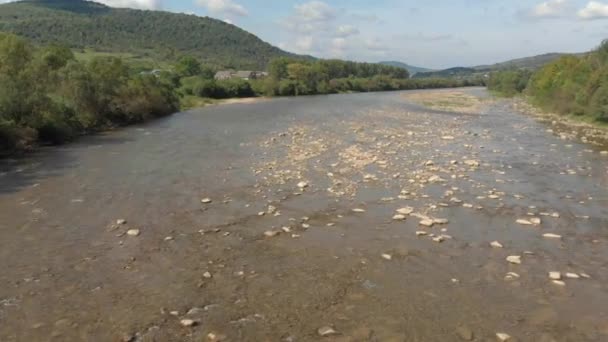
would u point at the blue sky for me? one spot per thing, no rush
(433, 33)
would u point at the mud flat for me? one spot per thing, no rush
(360, 217)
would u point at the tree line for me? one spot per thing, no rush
(47, 96)
(570, 85)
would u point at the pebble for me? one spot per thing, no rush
(427, 223)
(552, 236)
(503, 337)
(496, 244)
(387, 256)
(207, 275)
(555, 275)
(187, 322)
(559, 282)
(511, 276)
(206, 200)
(133, 232)
(358, 210)
(536, 221)
(572, 275)
(514, 259)
(405, 211)
(303, 185)
(121, 222)
(524, 222)
(604, 153)
(399, 217)
(421, 233)
(326, 331)
(272, 233)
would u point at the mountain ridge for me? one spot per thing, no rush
(83, 24)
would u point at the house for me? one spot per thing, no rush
(242, 74)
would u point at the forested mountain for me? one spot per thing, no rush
(458, 72)
(410, 68)
(162, 35)
(526, 63)
(532, 63)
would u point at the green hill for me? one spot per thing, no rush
(162, 35)
(531, 63)
(412, 69)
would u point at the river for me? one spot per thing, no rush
(299, 237)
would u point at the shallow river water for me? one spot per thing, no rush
(299, 239)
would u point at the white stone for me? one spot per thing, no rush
(421, 233)
(535, 221)
(133, 232)
(387, 256)
(503, 337)
(552, 236)
(405, 211)
(302, 185)
(572, 275)
(271, 233)
(524, 222)
(326, 331)
(427, 222)
(555, 275)
(121, 222)
(187, 322)
(358, 210)
(496, 244)
(559, 282)
(399, 217)
(514, 259)
(206, 200)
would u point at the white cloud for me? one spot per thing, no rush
(346, 31)
(223, 7)
(304, 44)
(594, 10)
(549, 9)
(314, 11)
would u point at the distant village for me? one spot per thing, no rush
(244, 75)
(223, 74)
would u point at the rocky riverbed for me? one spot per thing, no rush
(364, 217)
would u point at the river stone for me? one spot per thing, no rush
(133, 232)
(503, 337)
(427, 223)
(559, 282)
(358, 210)
(536, 221)
(326, 331)
(524, 222)
(399, 217)
(572, 275)
(187, 322)
(555, 275)
(405, 211)
(514, 259)
(302, 185)
(552, 236)
(472, 163)
(121, 222)
(496, 244)
(464, 333)
(272, 233)
(387, 256)
(421, 233)
(206, 200)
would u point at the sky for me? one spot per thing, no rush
(431, 33)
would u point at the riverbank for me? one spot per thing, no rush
(569, 127)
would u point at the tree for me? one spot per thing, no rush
(188, 66)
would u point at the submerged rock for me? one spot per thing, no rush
(206, 200)
(503, 337)
(496, 244)
(555, 275)
(133, 232)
